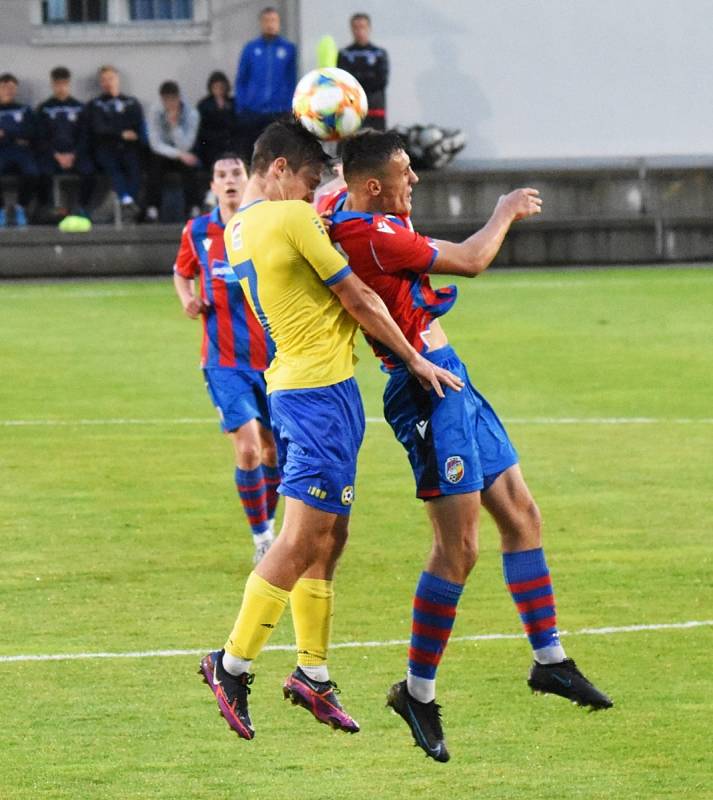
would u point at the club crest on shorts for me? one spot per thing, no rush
(455, 469)
(347, 495)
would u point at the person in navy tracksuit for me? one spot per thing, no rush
(17, 135)
(265, 80)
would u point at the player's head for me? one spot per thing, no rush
(109, 80)
(170, 94)
(59, 80)
(269, 21)
(290, 160)
(228, 179)
(378, 171)
(361, 28)
(218, 84)
(8, 88)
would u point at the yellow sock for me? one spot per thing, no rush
(260, 612)
(312, 603)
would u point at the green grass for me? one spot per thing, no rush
(128, 537)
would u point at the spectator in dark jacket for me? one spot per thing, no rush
(62, 140)
(266, 78)
(173, 127)
(218, 129)
(17, 134)
(117, 131)
(369, 64)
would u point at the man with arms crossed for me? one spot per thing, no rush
(307, 299)
(235, 352)
(459, 450)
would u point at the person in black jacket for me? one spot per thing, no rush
(117, 132)
(370, 66)
(218, 127)
(17, 134)
(62, 140)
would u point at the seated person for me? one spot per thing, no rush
(173, 127)
(217, 130)
(115, 123)
(17, 134)
(62, 141)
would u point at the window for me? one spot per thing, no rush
(160, 9)
(63, 11)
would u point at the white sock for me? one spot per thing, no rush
(421, 689)
(320, 674)
(553, 654)
(262, 538)
(235, 666)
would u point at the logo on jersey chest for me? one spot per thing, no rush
(236, 236)
(455, 469)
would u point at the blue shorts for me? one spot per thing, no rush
(318, 433)
(456, 444)
(239, 395)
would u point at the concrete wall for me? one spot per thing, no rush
(144, 65)
(544, 78)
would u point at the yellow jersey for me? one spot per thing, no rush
(285, 262)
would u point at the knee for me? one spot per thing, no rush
(458, 554)
(269, 455)
(249, 454)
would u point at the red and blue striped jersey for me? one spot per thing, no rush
(390, 257)
(232, 336)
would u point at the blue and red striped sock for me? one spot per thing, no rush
(434, 612)
(272, 479)
(530, 585)
(252, 489)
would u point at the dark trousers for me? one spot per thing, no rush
(376, 122)
(159, 167)
(249, 126)
(82, 167)
(123, 165)
(17, 159)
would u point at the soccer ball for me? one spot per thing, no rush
(330, 103)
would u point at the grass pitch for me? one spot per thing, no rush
(121, 533)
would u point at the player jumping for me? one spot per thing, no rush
(459, 451)
(235, 352)
(308, 300)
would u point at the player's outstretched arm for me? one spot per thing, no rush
(369, 310)
(477, 252)
(193, 306)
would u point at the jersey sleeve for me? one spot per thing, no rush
(395, 246)
(187, 264)
(308, 235)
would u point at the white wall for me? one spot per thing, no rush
(543, 78)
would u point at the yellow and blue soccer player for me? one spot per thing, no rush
(308, 300)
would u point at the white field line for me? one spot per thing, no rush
(29, 423)
(485, 637)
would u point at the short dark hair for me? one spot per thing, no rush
(360, 15)
(60, 74)
(228, 155)
(369, 151)
(169, 89)
(269, 10)
(8, 77)
(290, 140)
(217, 77)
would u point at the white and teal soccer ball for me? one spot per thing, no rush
(330, 103)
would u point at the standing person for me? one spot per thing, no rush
(307, 298)
(235, 351)
(217, 130)
(63, 140)
(17, 135)
(265, 79)
(459, 451)
(117, 132)
(173, 127)
(369, 64)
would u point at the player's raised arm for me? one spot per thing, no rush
(477, 252)
(369, 310)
